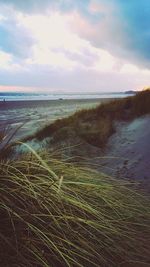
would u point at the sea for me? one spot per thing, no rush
(15, 96)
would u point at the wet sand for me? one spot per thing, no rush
(34, 114)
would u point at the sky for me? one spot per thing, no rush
(74, 45)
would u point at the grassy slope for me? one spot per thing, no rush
(55, 214)
(96, 125)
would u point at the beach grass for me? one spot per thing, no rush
(96, 125)
(60, 214)
(57, 214)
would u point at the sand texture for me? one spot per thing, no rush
(127, 154)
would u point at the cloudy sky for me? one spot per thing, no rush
(74, 45)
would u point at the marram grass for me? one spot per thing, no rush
(53, 214)
(96, 125)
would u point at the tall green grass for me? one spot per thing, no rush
(56, 214)
(96, 125)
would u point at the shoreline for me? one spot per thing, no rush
(18, 104)
(35, 114)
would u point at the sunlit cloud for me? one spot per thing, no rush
(55, 43)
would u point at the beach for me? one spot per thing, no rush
(126, 154)
(29, 116)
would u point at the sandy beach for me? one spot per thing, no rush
(126, 155)
(34, 114)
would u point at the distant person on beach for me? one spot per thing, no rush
(4, 101)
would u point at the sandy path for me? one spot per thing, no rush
(128, 152)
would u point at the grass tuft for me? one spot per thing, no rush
(55, 214)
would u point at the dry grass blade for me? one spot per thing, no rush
(83, 218)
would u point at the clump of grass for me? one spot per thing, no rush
(5, 139)
(55, 214)
(96, 125)
(7, 142)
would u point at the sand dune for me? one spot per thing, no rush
(127, 154)
(33, 115)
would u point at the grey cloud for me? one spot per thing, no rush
(28, 5)
(84, 57)
(122, 27)
(123, 31)
(14, 38)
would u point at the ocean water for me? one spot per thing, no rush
(53, 96)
